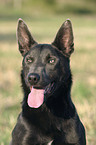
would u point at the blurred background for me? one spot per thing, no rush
(44, 17)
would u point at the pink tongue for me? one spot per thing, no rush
(36, 98)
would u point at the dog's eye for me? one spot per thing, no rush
(51, 61)
(29, 59)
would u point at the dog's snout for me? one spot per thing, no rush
(33, 78)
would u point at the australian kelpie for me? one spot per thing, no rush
(48, 114)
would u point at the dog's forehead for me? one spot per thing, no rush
(43, 50)
(48, 49)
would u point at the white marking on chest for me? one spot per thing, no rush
(50, 142)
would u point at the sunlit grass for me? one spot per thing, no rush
(82, 63)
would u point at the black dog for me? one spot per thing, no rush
(48, 115)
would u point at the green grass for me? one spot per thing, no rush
(83, 64)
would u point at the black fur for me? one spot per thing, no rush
(56, 120)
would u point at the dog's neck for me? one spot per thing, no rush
(61, 101)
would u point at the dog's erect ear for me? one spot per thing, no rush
(64, 39)
(25, 40)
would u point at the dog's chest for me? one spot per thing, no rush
(41, 129)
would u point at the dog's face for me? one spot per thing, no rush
(45, 66)
(41, 66)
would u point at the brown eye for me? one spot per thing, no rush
(51, 61)
(29, 59)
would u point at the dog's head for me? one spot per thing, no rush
(45, 66)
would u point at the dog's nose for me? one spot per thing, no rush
(33, 78)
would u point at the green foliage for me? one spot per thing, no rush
(31, 7)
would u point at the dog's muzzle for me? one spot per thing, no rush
(33, 78)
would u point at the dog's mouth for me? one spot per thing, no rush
(38, 96)
(49, 89)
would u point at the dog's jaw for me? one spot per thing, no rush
(37, 96)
